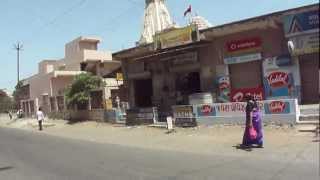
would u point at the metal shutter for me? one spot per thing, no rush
(246, 75)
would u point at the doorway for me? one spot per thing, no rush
(309, 70)
(187, 84)
(143, 92)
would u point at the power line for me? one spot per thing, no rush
(67, 11)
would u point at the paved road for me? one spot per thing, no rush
(28, 155)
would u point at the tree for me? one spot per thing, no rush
(6, 102)
(79, 92)
(17, 93)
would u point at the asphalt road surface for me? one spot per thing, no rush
(28, 155)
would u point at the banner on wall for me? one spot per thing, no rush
(244, 45)
(238, 95)
(224, 88)
(176, 37)
(238, 109)
(304, 44)
(301, 23)
(242, 58)
(277, 107)
(278, 78)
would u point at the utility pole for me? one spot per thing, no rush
(18, 47)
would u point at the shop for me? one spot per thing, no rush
(302, 32)
(226, 62)
(164, 73)
(244, 60)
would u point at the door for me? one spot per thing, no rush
(309, 70)
(143, 92)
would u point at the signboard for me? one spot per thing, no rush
(244, 44)
(304, 44)
(277, 107)
(224, 88)
(223, 109)
(181, 59)
(206, 110)
(176, 37)
(238, 109)
(278, 79)
(182, 112)
(243, 58)
(297, 24)
(183, 116)
(238, 95)
(119, 77)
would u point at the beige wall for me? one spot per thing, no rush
(59, 84)
(77, 51)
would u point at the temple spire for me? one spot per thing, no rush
(156, 19)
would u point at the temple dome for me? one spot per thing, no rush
(201, 22)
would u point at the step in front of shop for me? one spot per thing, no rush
(309, 114)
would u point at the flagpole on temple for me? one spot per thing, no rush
(188, 12)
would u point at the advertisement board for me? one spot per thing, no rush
(176, 37)
(183, 111)
(243, 44)
(206, 110)
(238, 95)
(242, 58)
(224, 88)
(304, 44)
(277, 107)
(238, 109)
(278, 78)
(301, 23)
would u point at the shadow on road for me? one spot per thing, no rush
(244, 148)
(6, 168)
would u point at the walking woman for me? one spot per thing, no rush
(253, 134)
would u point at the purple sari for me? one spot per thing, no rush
(257, 125)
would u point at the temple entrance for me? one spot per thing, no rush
(143, 92)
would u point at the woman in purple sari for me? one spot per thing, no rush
(253, 119)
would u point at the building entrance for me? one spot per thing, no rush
(143, 92)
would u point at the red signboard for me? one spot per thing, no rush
(278, 79)
(277, 106)
(238, 95)
(243, 44)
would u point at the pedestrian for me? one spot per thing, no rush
(253, 134)
(40, 118)
(10, 115)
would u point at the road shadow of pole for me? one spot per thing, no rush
(244, 148)
(6, 168)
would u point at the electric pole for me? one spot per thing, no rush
(18, 47)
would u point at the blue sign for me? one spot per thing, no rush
(277, 107)
(206, 110)
(296, 24)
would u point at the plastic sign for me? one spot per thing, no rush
(243, 44)
(238, 95)
(278, 79)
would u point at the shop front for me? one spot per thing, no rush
(302, 32)
(243, 58)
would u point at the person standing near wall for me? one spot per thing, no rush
(40, 118)
(253, 123)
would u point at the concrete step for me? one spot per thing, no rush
(309, 109)
(308, 128)
(309, 117)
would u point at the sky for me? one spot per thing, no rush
(45, 26)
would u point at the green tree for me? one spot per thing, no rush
(6, 102)
(79, 91)
(17, 94)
